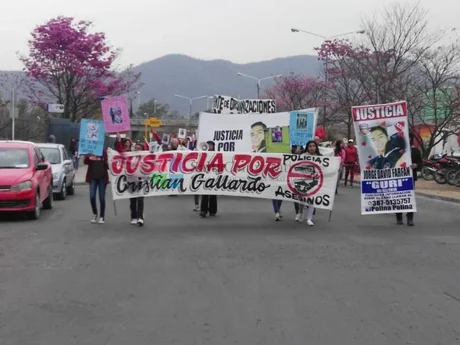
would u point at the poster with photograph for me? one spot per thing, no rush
(302, 126)
(92, 137)
(181, 133)
(247, 132)
(115, 114)
(382, 139)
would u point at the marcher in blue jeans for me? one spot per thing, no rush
(94, 186)
(277, 208)
(97, 176)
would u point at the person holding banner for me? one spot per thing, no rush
(312, 149)
(297, 150)
(339, 152)
(136, 205)
(209, 202)
(97, 176)
(416, 164)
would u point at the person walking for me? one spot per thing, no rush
(209, 202)
(73, 149)
(98, 177)
(339, 152)
(311, 149)
(351, 158)
(296, 149)
(417, 163)
(136, 204)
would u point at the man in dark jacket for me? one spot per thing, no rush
(209, 202)
(416, 165)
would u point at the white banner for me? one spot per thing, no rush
(250, 132)
(230, 105)
(306, 179)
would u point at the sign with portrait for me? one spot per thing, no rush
(248, 132)
(115, 113)
(382, 139)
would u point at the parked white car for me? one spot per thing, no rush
(63, 169)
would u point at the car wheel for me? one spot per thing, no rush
(71, 189)
(35, 214)
(48, 203)
(63, 193)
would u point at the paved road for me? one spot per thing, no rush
(239, 278)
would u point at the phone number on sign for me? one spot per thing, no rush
(405, 201)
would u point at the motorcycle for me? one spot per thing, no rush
(446, 163)
(429, 168)
(451, 173)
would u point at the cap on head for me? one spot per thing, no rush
(350, 141)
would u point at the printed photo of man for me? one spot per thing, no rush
(258, 137)
(390, 149)
(116, 115)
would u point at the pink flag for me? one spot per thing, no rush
(115, 114)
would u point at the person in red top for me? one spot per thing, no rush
(98, 177)
(351, 158)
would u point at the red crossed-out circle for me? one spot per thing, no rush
(295, 175)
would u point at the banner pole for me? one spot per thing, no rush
(114, 204)
(330, 215)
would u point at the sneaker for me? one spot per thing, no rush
(310, 223)
(281, 215)
(399, 222)
(202, 214)
(212, 214)
(410, 223)
(94, 219)
(101, 220)
(277, 216)
(133, 221)
(140, 222)
(197, 208)
(297, 217)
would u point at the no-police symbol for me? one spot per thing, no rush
(305, 178)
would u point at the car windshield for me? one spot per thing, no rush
(52, 155)
(13, 158)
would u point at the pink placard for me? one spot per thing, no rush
(116, 114)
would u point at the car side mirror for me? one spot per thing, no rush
(42, 166)
(67, 162)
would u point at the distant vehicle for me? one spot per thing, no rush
(26, 181)
(63, 169)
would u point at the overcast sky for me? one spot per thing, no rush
(237, 30)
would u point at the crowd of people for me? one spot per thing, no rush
(97, 177)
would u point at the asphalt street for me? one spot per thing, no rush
(239, 278)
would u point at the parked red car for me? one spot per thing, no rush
(26, 179)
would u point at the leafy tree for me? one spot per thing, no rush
(401, 59)
(294, 92)
(71, 66)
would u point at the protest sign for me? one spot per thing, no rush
(231, 105)
(382, 139)
(299, 178)
(115, 114)
(302, 127)
(92, 137)
(247, 132)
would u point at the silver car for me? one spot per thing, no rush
(63, 169)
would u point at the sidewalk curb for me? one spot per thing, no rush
(438, 197)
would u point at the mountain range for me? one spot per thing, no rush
(172, 74)
(166, 76)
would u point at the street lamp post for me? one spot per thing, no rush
(190, 100)
(259, 80)
(326, 62)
